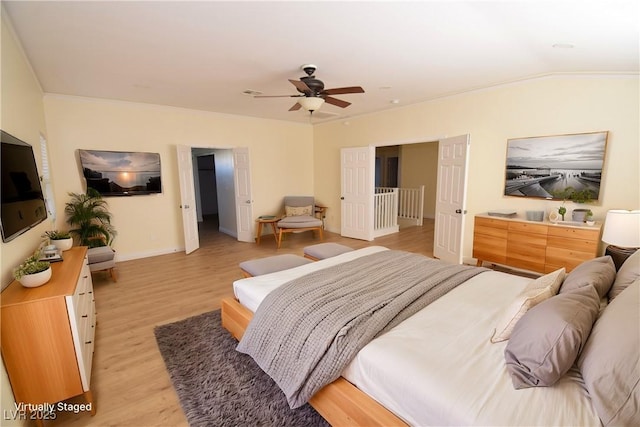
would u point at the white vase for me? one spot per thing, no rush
(35, 280)
(63, 244)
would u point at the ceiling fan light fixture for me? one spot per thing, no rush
(311, 103)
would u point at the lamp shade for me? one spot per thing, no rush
(622, 228)
(311, 103)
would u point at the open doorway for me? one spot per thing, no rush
(409, 166)
(213, 178)
(232, 171)
(359, 208)
(417, 166)
(206, 198)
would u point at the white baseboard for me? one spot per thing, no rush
(139, 255)
(228, 232)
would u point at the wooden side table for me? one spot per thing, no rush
(269, 220)
(320, 213)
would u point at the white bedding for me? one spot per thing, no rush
(439, 368)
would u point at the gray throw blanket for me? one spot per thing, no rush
(306, 332)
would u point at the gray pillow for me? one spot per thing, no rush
(599, 272)
(628, 273)
(609, 360)
(547, 340)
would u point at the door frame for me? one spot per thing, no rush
(233, 150)
(427, 139)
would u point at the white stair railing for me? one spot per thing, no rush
(385, 211)
(393, 204)
(411, 204)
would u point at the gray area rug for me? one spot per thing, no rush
(218, 386)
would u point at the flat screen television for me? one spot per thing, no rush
(23, 205)
(121, 173)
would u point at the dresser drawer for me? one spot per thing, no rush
(490, 248)
(83, 287)
(574, 233)
(88, 344)
(527, 227)
(525, 255)
(491, 222)
(570, 259)
(579, 245)
(483, 230)
(526, 239)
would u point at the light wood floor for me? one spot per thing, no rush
(130, 384)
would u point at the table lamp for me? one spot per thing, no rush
(622, 233)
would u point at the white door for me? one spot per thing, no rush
(244, 202)
(451, 198)
(187, 199)
(357, 167)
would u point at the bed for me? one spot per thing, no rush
(440, 366)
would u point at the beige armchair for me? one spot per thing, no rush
(299, 215)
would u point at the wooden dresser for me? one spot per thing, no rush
(531, 245)
(48, 333)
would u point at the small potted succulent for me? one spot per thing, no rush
(33, 272)
(562, 210)
(588, 217)
(62, 240)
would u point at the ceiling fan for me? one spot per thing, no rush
(313, 94)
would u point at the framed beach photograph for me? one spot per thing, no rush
(562, 167)
(121, 173)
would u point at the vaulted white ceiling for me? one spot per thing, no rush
(204, 54)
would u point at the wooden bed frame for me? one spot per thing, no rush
(340, 403)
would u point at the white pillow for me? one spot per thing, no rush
(538, 290)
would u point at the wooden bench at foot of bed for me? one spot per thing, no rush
(340, 403)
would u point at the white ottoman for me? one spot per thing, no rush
(325, 250)
(102, 258)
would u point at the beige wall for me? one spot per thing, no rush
(419, 166)
(22, 115)
(280, 156)
(545, 106)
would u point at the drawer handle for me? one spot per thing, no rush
(84, 277)
(81, 293)
(88, 342)
(85, 315)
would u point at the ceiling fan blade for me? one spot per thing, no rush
(337, 102)
(278, 96)
(300, 85)
(295, 107)
(343, 90)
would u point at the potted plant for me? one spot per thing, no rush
(90, 219)
(581, 196)
(33, 272)
(562, 210)
(60, 239)
(588, 218)
(570, 193)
